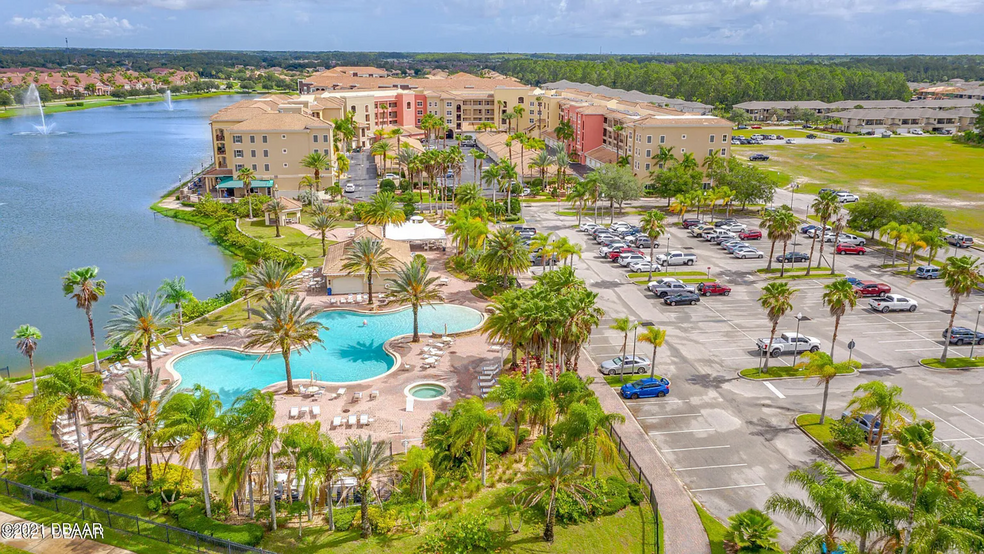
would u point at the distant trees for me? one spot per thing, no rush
(874, 212)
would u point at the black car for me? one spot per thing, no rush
(758, 158)
(724, 223)
(691, 222)
(963, 335)
(839, 140)
(688, 298)
(827, 190)
(811, 136)
(793, 257)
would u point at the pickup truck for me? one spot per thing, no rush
(891, 302)
(788, 343)
(676, 258)
(665, 287)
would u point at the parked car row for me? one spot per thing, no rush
(729, 234)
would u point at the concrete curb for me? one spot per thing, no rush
(740, 376)
(831, 454)
(949, 368)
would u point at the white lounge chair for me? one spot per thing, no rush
(222, 330)
(374, 395)
(358, 299)
(132, 362)
(183, 342)
(304, 411)
(495, 348)
(409, 403)
(196, 338)
(162, 348)
(301, 389)
(363, 419)
(356, 396)
(351, 299)
(293, 412)
(336, 421)
(339, 394)
(351, 420)
(315, 411)
(154, 353)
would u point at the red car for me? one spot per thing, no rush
(871, 288)
(750, 234)
(614, 254)
(844, 248)
(712, 287)
(756, 126)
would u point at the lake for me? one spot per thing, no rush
(81, 197)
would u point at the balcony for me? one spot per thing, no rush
(221, 150)
(220, 137)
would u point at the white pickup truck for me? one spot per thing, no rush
(668, 285)
(892, 302)
(788, 343)
(676, 258)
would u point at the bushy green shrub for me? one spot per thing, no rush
(343, 517)
(104, 491)
(190, 515)
(636, 493)
(197, 308)
(381, 520)
(209, 207)
(174, 477)
(468, 533)
(95, 485)
(155, 503)
(847, 434)
(387, 185)
(12, 416)
(606, 498)
(124, 474)
(67, 483)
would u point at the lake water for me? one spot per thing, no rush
(81, 197)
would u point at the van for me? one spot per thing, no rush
(928, 272)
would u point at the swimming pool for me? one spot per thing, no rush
(349, 352)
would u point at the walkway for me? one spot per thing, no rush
(683, 532)
(56, 546)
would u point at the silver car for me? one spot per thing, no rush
(742, 253)
(633, 364)
(644, 266)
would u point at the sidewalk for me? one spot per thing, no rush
(56, 546)
(683, 532)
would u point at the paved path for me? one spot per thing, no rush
(56, 546)
(683, 532)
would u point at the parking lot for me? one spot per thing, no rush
(732, 440)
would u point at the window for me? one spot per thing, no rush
(448, 104)
(420, 112)
(637, 151)
(712, 138)
(237, 139)
(724, 151)
(662, 139)
(266, 167)
(532, 104)
(420, 104)
(283, 137)
(266, 153)
(264, 139)
(315, 137)
(324, 139)
(649, 153)
(647, 167)
(448, 112)
(724, 138)
(237, 153)
(649, 139)
(252, 139)
(683, 150)
(238, 167)
(448, 121)
(254, 167)
(710, 151)
(531, 120)
(252, 153)
(683, 137)
(367, 108)
(637, 165)
(367, 118)
(315, 151)
(285, 164)
(408, 105)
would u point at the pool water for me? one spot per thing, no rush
(350, 351)
(427, 391)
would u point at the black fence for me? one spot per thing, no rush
(175, 536)
(637, 474)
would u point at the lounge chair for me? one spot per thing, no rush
(495, 348)
(162, 348)
(356, 396)
(340, 393)
(304, 411)
(351, 299)
(196, 338)
(154, 353)
(336, 421)
(222, 330)
(351, 420)
(363, 419)
(315, 411)
(183, 342)
(293, 412)
(374, 395)
(131, 361)
(301, 389)
(409, 403)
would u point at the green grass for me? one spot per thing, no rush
(614, 381)
(101, 102)
(716, 531)
(798, 269)
(668, 274)
(936, 171)
(811, 276)
(566, 213)
(953, 363)
(292, 240)
(540, 199)
(4, 549)
(687, 280)
(861, 460)
(233, 315)
(779, 371)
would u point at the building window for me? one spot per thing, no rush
(419, 120)
(254, 167)
(724, 138)
(724, 151)
(448, 104)
(449, 121)
(252, 139)
(647, 167)
(710, 151)
(649, 139)
(448, 112)
(367, 108)
(408, 105)
(263, 139)
(283, 137)
(315, 151)
(237, 139)
(238, 167)
(237, 153)
(649, 153)
(420, 104)
(367, 118)
(252, 153)
(285, 164)
(315, 137)
(637, 151)
(531, 120)
(683, 150)
(662, 139)
(637, 165)
(420, 112)
(266, 167)
(712, 138)
(266, 153)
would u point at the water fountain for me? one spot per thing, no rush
(31, 99)
(167, 100)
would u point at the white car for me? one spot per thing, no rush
(723, 236)
(892, 302)
(847, 238)
(349, 187)
(845, 197)
(625, 259)
(603, 236)
(734, 227)
(742, 253)
(915, 131)
(605, 250)
(587, 226)
(644, 266)
(392, 176)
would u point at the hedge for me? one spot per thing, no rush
(192, 517)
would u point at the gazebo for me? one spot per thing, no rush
(290, 214)
(417, 230)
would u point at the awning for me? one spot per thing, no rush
(237, 184)
(417, 229)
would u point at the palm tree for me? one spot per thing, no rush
(414, 286)
(369, 257)
(565, 133)
(505, 254)
(566, 250)
(783, 228)
(823, 206)
(363, 460)
(383, 210)
(237, 274)
(382, 149)
(753, 531)
(194, 420)
(541, 242)
(822, 366)
(894, 231)
(269, 277)
(286, 323)
(961, 275)
(174, 291)
(664, 156)
(623, 325)
(326, 466)
(888, 408)
(323, 224)
(839, 296)
(417, 468)
(656, 337)
(541, 162)
(27, 337)
(307, 181)
(653, 226)
(246, 175)
(552, 471)
(507, 176)
(773, 222)
(84, 287)
(563, 162)
(827, 504)
(275, 207)
(508, 396)
(134, 413)
(66, 389)
(137, 323)
(8, 394)
(473, 428)
(776, 300)
(935, 241)
(250, 436)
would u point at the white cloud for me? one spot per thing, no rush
(57, 18)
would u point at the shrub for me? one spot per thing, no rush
(173, 477)
(343, 517)
(155, 503)
(191, 516)
(636, 494)
(847, 434)
(124, 474)
(95, 485)
(12, 416)
(387, 185)
(209, 207)
(197, 308)
(67, 483)
(104, 491)
(381, 520)
(468, 533)
(606, 498)
(752, 531)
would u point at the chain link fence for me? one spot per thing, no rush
(640, 477)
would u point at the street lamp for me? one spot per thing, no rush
(976, 323)
(799, 319)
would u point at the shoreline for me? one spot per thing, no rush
(60, 106)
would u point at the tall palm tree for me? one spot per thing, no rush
(541, 242)
(326, 466)
(505, 254)
(382, 149)
(827, 504)
(137, 323)
(237, 275)
(286, 323)
(383, 210)
(541, 162)
(369, 257)
(342, 165)
(913, 240)
(823, 206)
(275, 207)
(935, 241)
(894, 231)
(414, 286)
(66, 389)
(510, 403)
(565, 133)
(664, 156)
(466, 194)
(566, 250)
(492, 176)
(552, 471)
(194, 420)
(654, 226)
(307, 181)
(246, 175)
(86, 289)
(889, 410)
(134, 413)
(656, 337)
(174, 291)
(473, 428)
(961, 275)
(417, 468)
(839, 296)
(364, 460)
(269, 277)
(250, 435)
(776, 300)
(822, 366)
(27, 337)
(773, 222)
(623, 325)
(323, 224)
(563, 162)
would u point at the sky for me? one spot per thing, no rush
(562, 26)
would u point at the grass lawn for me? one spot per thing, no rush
(687, 280)
(4, 549)
(861, 460)
(233, 315)
(568, 213)
(794, 277)
(615, 382)
(936, 171)
(716, 531)
(292, 239)
(953, 363)
(101, 102)
(778, 371)
(798, 269)
(658, 274)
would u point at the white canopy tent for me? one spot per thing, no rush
(417, 229)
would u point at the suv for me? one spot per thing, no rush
(691, 222)
(871, 288)
(641, 241)
(839, 140)
(750, 234)
(963, 335)
(845, 197)
(713, 287)
(960, 241)
(928, 272)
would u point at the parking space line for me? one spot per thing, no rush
(670, 415)
(903, 340)
(968, 415)
(961, 431)
(960, 440)
(695, 448)
(707, 467)
(728, 487)
(683, 431)
(775, 390)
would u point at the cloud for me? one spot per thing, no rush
(57, 18)
(162, 4)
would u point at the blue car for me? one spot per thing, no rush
(646, 388)
(853, 280)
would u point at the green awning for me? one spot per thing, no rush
(237, 184)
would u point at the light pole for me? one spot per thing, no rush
(799, 318)
(976, 323)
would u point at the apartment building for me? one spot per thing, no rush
(778, 110)
(270, 135)
(903, 120)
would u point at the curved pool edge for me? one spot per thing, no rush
(398, 359)
(447, 391)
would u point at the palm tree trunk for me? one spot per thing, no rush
(249, 492)
(820, 257)
(823, 406)
(881, 430)
(946, 343)
(809, 263)
(484, 470)
(621, 367)
(895, 251)
(423, 488)
(782, 268)
(548, 528)
(147, 461)
(34, 377)
(271, 484)
(652, 364)
(78, 438)
(364, 512)
(206, 485)
(276, 223)
(772, 251)
(768, 351)
(92, 336)
(369, 284)
(907, 533)
(331, 507)
(150, 362)
(290, 380)
(416, 328)
(181, 319)
(833, 340)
